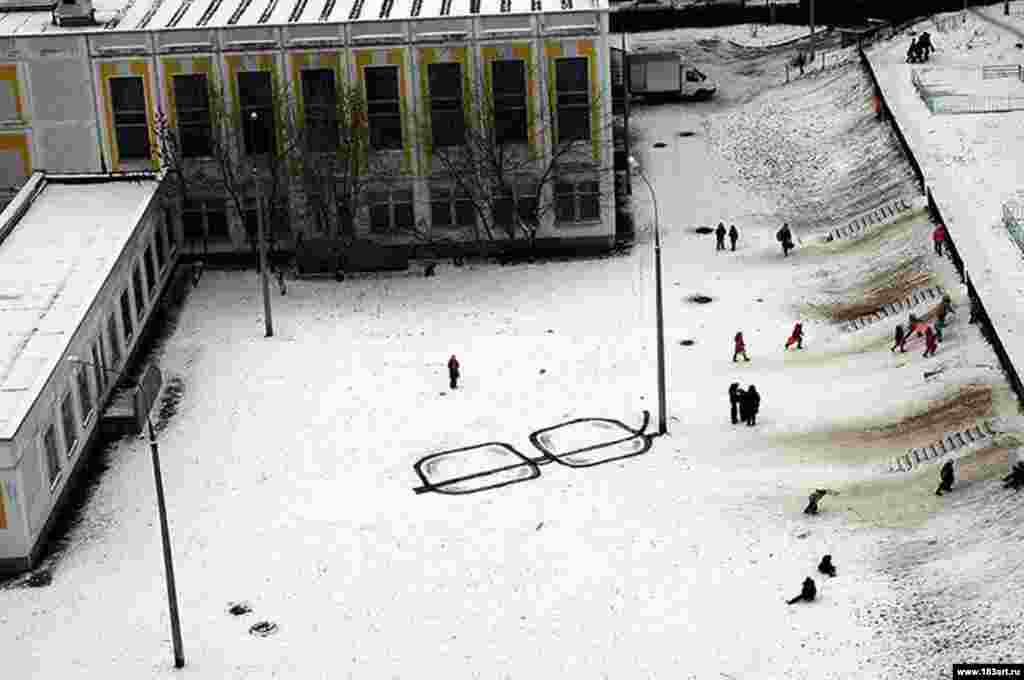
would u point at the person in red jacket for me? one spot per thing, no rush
(453, 372)
(797, 336)
(739, 347)
(931, 342)
(938, 237)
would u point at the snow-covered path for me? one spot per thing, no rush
(289, 466)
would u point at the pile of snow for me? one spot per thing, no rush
(763, 35)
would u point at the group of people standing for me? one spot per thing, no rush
(932, 337)
(720, 234)
(746, 402)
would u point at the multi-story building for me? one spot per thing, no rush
(85, 98)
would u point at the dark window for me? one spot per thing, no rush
(383, 107)
(447, 119)
(192, 99)
(97, 367)
(115, 340)
(509, 85)
(158, 242)
(84, 395)
(390, 210)
(256, 99)
(251, 221)
(150, 273)
(320, 106)
(67, 418)
(217, 220)
(578, 201)
(523, 199)
(140, 296)
(169, 230)
(451, 208)
(52, 457)
(573, 90)
(126, 317)
(206, 220)
(280, 220)
(128, 100)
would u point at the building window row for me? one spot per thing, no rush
(60, 446)
(319, 92)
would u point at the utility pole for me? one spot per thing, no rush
(812, 28)
(625, 114)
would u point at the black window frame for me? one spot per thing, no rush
(52, 454)
(578, 200)
(511, 118)
(256, 108)
(192, 106)
(522, 199)
(147, 260)
(456, 206)
(85, 400)
(98, 365)
(572, 102)
(395, 203)
(158, 244)
(447, 115)
(140, 295)
(384, 107)
(320, 108)
(130, 117)
(127, 322)
(68, 423)
(206, 220)
(115, 340)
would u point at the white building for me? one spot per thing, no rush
(83, 259)
(85, 98)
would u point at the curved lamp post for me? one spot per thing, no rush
(172, 595)
(659, 307)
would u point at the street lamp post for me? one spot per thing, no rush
(172, 594)
(659, 307)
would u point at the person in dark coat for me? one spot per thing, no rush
(813, 500)
(753, 402)
(735, 399)
(734, 235)
(1014, 480)
(739, 347)
(924, 45)
(807, 592)
(826, 567)
(900, 340)
(931, 342)
(946, 478)
(720, 237)
(453, 372)
(785, 237)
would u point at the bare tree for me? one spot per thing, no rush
(244, 155)
(508, 165)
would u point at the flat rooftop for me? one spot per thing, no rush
(52, 265)
(160, 15)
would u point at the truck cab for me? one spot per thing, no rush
(695, 84)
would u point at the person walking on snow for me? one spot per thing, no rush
(785, 237)
(797, 336)
(734, 236)
(826, 567)
(720, 237)
(946, 478)
(931, 342)
(944, 310)
(807, 592)
(900, 339)
(753, 402)
(739, 347)
(939, 237)
(735, 398)
(453, 372)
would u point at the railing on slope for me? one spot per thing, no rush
(951, 442)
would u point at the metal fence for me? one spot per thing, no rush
(1002, 71)
(969, 103)
(823, 61)
(951, 23)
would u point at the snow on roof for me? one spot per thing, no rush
(52, 264)
(154, 15)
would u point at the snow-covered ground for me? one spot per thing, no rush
(289, 464)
